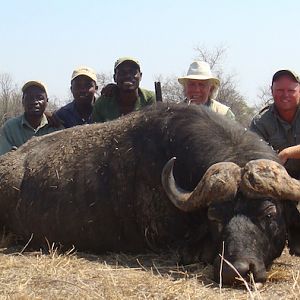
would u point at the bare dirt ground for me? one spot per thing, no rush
(33, 275)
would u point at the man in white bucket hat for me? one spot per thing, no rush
(201, 87)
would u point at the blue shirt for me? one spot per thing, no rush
(70, 117)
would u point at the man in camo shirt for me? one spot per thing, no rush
(279, 123)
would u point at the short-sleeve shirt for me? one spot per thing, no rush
(107, 108)
(17, 131)
(70, 117)
(278, 133)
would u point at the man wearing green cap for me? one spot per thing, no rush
(279, 123)
(126, 96)
(16, 131)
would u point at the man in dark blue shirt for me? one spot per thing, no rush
(83, 88)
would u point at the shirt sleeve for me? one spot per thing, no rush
(6, 144)
(152, 98)
(60, 116)
(230, 114)
(258, 129)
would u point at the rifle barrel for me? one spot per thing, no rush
(158, 94)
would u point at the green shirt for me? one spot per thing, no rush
(107, 108)
(16, 131)
(278, 133)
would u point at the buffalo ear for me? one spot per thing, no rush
(293, 228)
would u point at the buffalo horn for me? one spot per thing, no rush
(267, 178)
(220, 182)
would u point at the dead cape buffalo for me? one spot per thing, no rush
(115, 187)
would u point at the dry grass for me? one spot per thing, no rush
(34, 275)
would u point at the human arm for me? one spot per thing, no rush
(6, 142)
(109, 90)
(230, 114)
(146, 97)
(258, 127)
(289, 152)
(97, 111)
(53, 119)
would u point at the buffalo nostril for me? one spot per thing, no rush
(231, 273)
(242, 268)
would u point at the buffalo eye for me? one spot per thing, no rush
(269, 212)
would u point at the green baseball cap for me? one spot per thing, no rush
(126, 58)
(37, 83)
(280, 73)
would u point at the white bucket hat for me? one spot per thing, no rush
(200, 70)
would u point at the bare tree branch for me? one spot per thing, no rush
(228, 92)
(10, 98)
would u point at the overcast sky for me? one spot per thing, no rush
(46, 40)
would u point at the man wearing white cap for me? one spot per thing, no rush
(201, 87)
(16, 131)
(83, 88)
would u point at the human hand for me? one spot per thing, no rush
(109, 90)
(283, 155)
(53, 120)
(289, 152)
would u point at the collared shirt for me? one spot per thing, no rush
(279, 133)
(221, 109)
(16, 131)
(70, 117)
(218, 107)
(107, 108)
